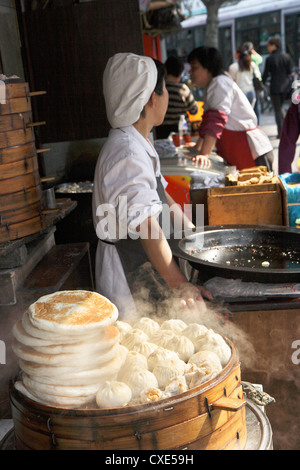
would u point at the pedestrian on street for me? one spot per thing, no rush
(243, 71)
(279, 67)
(257, 60)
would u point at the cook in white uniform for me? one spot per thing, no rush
(229, 121)
(129, 191)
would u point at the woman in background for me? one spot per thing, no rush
(258, 60)
(242, 73)
(229, 122)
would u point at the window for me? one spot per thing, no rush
(258, 29)
(292, 37)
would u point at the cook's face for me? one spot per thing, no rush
(199, 75)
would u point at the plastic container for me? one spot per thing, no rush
(183, 128)
(291, 182)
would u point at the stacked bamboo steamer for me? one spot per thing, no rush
(20, 184)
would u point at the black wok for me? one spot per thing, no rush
(266, 254)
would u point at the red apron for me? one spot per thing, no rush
(234, 148)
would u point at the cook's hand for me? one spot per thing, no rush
(202, 161)
(191, 301)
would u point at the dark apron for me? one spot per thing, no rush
(143, 280)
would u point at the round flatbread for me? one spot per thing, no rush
(74, 375)
(51, 337)
(52, 400)
(72, 312)
(89, 357)
(60, 390)
(106, 340)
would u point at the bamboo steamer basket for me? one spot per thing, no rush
(21, 167)
(19, 89)
(11, 122)
(16, 137)
(20, 185)
(20, 206)
(9, 232)
(19, 199)
(15, 105)
(17, 152)
(208, 417)
(20, 214)
(16, 89)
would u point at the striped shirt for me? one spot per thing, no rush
(181, 100)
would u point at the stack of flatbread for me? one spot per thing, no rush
(67, 344)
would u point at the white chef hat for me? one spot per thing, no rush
(128, 82)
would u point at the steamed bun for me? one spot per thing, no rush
(162, 356)
(214, 342)
(176, 385)
(146, 348)
(147, 325)
(165, 372)
(200, 377)
(113, 394)
(134, 337)
(182, 346)
(123, 328)
(190, 370)
(134, 360)
(151, 395)
(194, 331)
(174, 324)
(140, 380)
(207, 361)
(161, 337)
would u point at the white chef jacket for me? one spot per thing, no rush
(128, 166)
(224, 95)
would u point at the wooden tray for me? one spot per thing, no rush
(250, 205)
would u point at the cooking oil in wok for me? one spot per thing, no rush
(250, 256)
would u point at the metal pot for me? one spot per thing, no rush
(266, 254)
(48, 198)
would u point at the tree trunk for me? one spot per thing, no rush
(212, 22)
